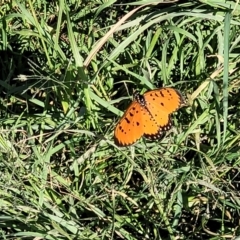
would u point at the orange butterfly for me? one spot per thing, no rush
(148, 115)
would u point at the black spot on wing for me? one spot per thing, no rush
(127, 120)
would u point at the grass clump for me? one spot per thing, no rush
(68, 70)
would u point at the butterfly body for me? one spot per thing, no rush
(148, 115)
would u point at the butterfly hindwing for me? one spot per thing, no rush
(150, 126)
(161, 120)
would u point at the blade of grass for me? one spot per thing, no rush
(225, 72)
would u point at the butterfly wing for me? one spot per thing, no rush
(151, 128)
(161, 103)
(166, 99)
(130, 127)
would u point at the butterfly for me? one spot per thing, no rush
(149, 115)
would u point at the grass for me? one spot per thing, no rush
(68, 71)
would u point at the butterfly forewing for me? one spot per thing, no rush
(130, 127)
(168, 99)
